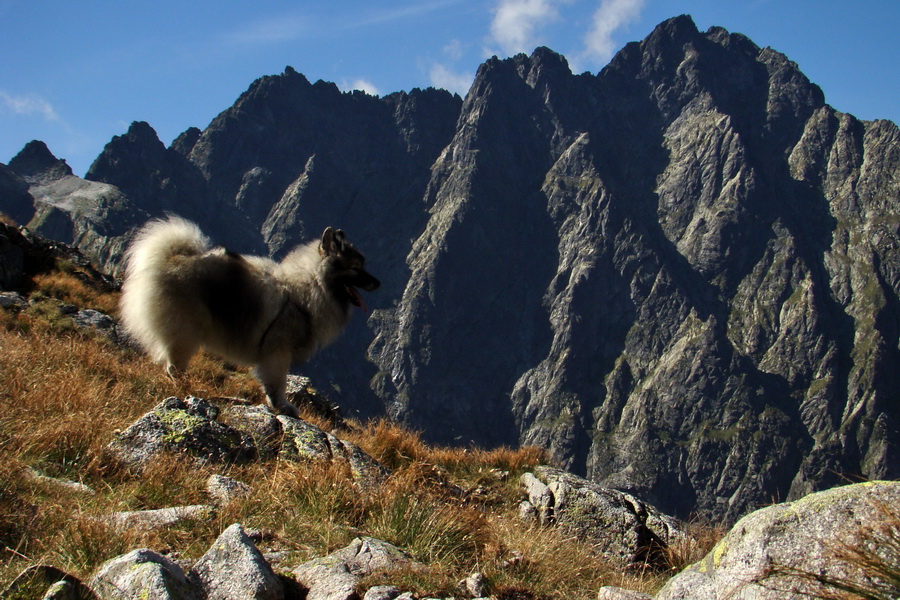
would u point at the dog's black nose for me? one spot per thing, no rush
(371, 285)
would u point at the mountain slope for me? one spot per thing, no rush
(680, 275)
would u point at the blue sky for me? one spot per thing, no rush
(76, 73)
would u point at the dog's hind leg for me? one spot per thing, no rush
(177, 359)
(272, 373)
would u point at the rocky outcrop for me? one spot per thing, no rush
(159, 518)
(13, 247)
(187, 426)
(680, 275)
(161, 180)
(620, 527)
(799, 549)
(95, 217)
(232, 569)
(15, 201)
(36, 163)
(191, 427)
(24, 254)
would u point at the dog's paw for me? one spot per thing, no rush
(288, 410)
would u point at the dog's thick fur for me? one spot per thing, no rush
(180, 294)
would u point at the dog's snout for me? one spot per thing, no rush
(371, 285)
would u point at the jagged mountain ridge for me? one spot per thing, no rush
(679, 274)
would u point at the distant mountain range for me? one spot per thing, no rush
(680, 275)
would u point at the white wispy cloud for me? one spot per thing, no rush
(515, 23)
(442, 77)
(454, 49)
(28, 105)
(271, 30)
(610, 16)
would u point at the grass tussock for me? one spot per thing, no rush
(699, 540)
(66, 286)
(63, 393)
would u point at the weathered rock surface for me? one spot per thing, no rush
(614, 593)
(190, 426)
(233, 569)
(94, 216)
(304, 441)
(142, 574)
(382, 592)
(24, 255)
(765, 553)
(159, 518)
(335, 577)
(622, 528)
(225, 489)
(15, 201)
(680, 274)
(790, 550)
(60, 484)
(13, 301)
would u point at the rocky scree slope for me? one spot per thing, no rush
(680, 274)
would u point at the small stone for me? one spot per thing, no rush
(63, 484)
(223, 489)
(474, 585)
(382, 592)
(159, 518)
(614, 593)
(13, 301)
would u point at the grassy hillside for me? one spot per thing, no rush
(64, 392)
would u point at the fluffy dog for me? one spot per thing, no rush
(180, 294)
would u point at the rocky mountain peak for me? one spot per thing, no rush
(186, 140)
(36, 163)
(139, 148)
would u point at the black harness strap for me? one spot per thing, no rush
(287, 300)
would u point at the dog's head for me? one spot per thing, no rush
(347, 268)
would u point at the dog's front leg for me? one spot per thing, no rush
(272, 373)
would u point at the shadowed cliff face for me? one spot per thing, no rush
(680, 275)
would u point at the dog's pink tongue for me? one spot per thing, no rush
(359, 299)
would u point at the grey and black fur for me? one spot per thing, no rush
(180, 294)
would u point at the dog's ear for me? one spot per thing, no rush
(333, 241)
(328, 242)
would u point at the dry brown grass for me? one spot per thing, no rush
(699, 539)
(64, 392)
(66, 286)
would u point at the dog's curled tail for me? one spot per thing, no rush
(161, 239)
(145, 310)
